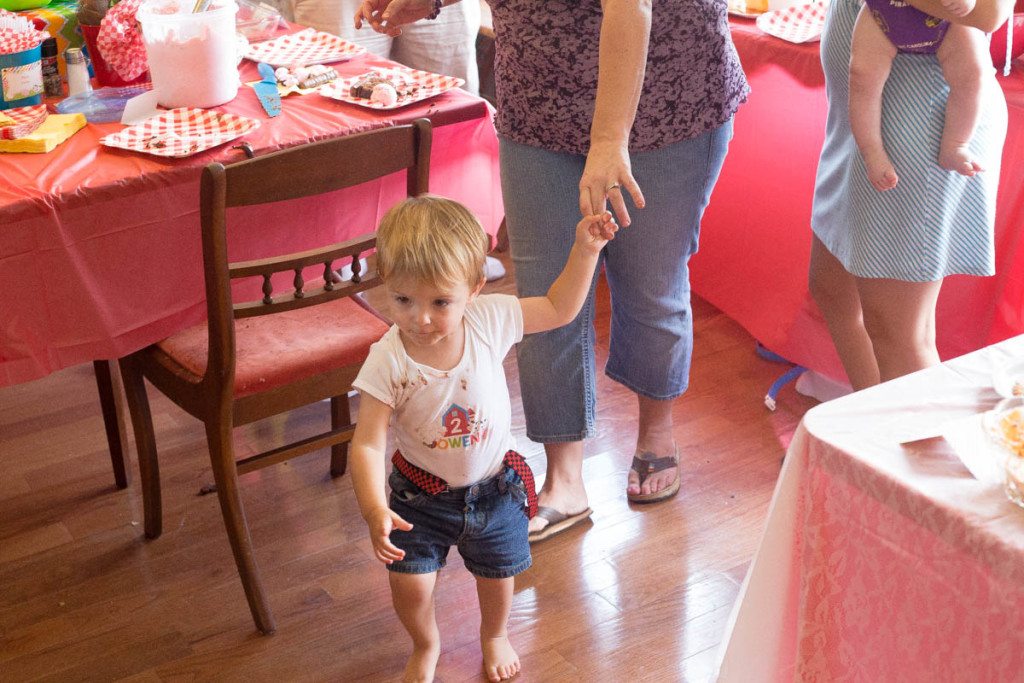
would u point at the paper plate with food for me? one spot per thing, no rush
(181, 132)
(392, 88)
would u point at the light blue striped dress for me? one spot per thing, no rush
(934, 222)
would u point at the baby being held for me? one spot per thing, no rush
(886, 27)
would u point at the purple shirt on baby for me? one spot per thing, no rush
(546, 72)
(907, 27)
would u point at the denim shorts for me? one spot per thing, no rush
(646, 267)
(487, 521)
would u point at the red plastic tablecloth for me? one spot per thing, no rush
(99, 247)
(756, 235)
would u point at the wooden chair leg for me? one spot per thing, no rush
(113, 420)
(145, 445)
(340, 417)
(222, 459)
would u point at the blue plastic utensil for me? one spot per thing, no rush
(266, 90)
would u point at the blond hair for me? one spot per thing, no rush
(431, 239)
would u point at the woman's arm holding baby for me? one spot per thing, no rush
(567, 293)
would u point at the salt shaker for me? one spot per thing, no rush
(78, 71)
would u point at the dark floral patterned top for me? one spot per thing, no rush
(546, 72)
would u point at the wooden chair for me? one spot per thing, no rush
(236, 369)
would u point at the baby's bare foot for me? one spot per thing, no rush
(881, 173)
(958, 158)
(500, 661)
(422, 663)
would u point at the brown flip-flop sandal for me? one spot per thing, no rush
(644, 464)
(558, 522)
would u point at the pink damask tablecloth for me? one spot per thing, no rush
(881, 561)
(99, 247)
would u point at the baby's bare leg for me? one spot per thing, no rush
(870, 62)
(964, 57)
(413, 597)
(500, 661)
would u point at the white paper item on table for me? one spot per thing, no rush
(979, 454)
(800, 23)
(140, 108)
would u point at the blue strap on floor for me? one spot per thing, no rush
(787, 377)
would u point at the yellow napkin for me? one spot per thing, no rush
(5, 120)
(54, 130)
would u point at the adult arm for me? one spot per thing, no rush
(987, 15)
(622, 61)
(388, 16)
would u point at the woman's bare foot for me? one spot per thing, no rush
(880, 170)
(568, 498)
(563, 482)
(656, 481)
(500, 661)
(422, 663)
(958, 158)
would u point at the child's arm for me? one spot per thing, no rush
(368, 460)
(567, 293)
(958, 8)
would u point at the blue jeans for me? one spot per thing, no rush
(486, 520)
(651, 334)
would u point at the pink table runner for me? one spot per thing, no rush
(99, 247)
(884, 562)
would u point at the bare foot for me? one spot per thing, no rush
(881, 173)
(958, 158)
(500, 661)
(422, 663)
(570, 499)
(656, 481)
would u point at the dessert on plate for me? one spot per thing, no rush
(386, 90)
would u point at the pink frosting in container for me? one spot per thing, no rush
(193, 56)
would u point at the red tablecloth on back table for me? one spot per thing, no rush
(99, 247)
(756, 235)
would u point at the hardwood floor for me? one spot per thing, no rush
(637, 594)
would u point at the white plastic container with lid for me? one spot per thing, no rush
(193, 56)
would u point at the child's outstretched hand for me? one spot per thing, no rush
(593, 232)
(381, 523)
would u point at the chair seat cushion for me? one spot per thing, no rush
(281, 348)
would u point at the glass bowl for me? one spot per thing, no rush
(1005, 426)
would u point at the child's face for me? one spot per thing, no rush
(427, 314)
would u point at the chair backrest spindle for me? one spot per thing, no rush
(293, 173)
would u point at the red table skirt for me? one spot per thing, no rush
(100, 251)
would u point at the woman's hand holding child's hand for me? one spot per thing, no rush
(593, 232)
(381, 522)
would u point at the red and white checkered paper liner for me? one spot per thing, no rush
(181, 132)
(120, 40)
(305, 47)
(15, 40)
(423, 84)
(798, 24)
(26, 120)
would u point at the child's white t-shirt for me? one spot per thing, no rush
(454, 423)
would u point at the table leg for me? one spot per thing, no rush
(108, 383)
